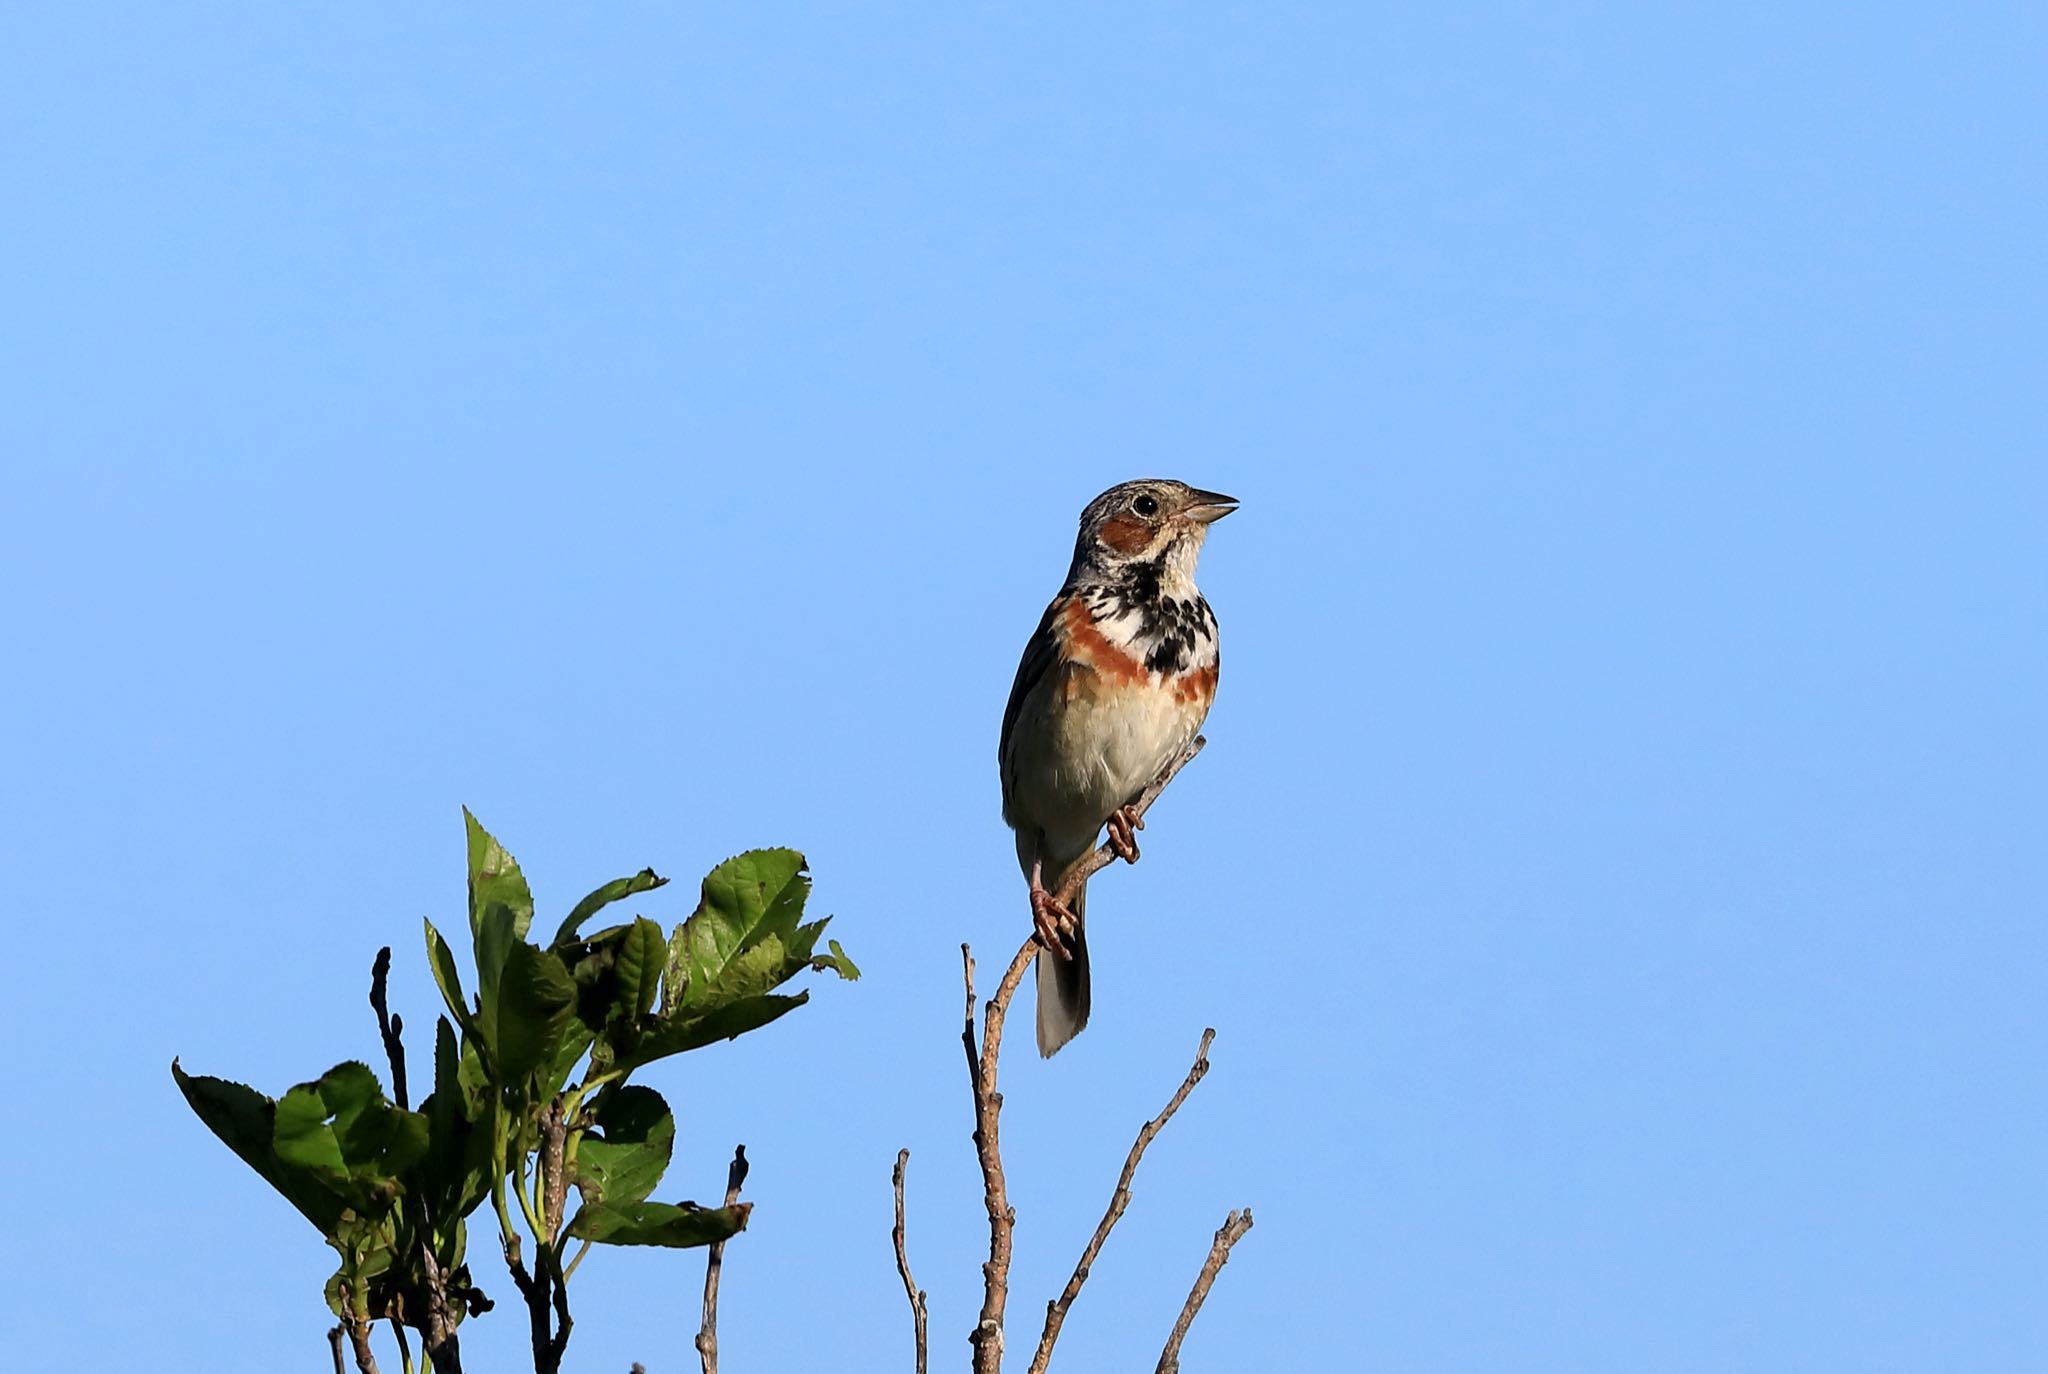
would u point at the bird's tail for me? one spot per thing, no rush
(1063, 987)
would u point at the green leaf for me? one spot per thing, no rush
(624, 1164)
(494, 943)
(803, 950)
(495, 882)
(593, 963)
(535, 1003)
(245, 1121)
(646, 880)
(445, 1108)
(563, 1056)
(837, 961)
(304, 1134)
(745, 939)
(659, 1223)
(476, 1082)
(642, 956)
(448, 978)
(458, 1145)
(675, 974)
(748, 901)
(448, 1071)
(686, 1030)
(341, 1127)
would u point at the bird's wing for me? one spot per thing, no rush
(1041, 653)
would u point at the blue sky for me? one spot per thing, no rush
(1616, 875)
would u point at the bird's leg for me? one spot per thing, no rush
(1124, 823)
(1050, 917)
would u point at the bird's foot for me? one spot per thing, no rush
(1054, 923)
(1124, 824)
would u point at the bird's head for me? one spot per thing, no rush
(1153, 522)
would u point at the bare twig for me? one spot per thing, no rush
(987, 1336)
(389, 1027)
(1056, 1310)
(1103, 854)
(910, 1288)
(536, 1301)
(707, 1335)
(334, 1338)
(551, 1258)
(982, 1063)
(1233, 1229)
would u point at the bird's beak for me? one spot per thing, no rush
(1208, 507)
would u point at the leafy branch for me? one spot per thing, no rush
(532, 1104)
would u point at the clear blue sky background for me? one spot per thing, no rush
(1617, 875)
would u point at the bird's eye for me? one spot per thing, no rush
(1145, 506)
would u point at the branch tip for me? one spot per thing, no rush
(915, 1294)
(1056, 1310)
(707, 1332)
(1227, 1235)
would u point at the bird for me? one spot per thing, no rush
(1114, 684)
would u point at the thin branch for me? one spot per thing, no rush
(539, 1288)
(707, 1335)
(536, 1300)
(359, 1340)
(987, 1336)
(389, 1027)
(334, 1338)
(551, 1174)
(1233, 1229)
(910, 1288)
(993, 1018)
(1103, 855)
(545, 1287)
(1056, 1310)
(443, 1348)
(404, 1345)
(552, 1257)
(982, 1063)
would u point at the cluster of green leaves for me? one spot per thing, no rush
(530, 1097)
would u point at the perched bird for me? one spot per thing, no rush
(1114, 684)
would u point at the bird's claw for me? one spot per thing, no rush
(1123, 824)
(1054, 923)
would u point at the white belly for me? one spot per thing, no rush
(1081, 754)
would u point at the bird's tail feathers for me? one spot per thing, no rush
(1063, 987)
